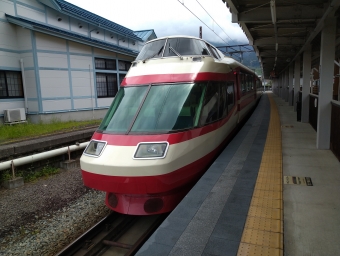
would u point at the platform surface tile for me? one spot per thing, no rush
(311, 213)
(211, 219)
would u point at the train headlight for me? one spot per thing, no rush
(151, 150)
(95, 148)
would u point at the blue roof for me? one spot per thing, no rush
(90, 17)
(145, 34)
(69, 35)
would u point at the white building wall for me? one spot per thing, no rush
(54, 83)
(83, 103)
(9, 60)
(31, 88)
(56, 105)
(33, 3)
(6, 6)
(82, 83)
(50, 43)
(30, 13)
(79, 48)
(101, 52)
(52, 19)
(52, 60)
(18, 103)
(33, 106)
(79, 27)
(104, 102)
(8, 36)
(81, 62)
(27, 57)
(59, 74)
(23, 38)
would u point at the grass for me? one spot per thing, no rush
(21, 131)
(30, 174)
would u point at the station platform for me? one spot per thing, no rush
(241, 205)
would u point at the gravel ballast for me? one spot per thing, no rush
(41, 218)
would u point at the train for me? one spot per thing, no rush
(176, 108)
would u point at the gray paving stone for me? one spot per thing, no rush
(166, 236)
(217, 246)
(175, 223)
(154, 249)
(178, 251)
(224, 230)
(184, 212)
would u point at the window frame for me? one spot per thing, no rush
(115, 87)
(105, 64)
(19, 85)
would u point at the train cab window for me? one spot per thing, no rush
(151, 50)
(213, 52)
(185, 46)
(169, 107)
(123, 109)
(210, 104)
(204, 49)
(231, 96)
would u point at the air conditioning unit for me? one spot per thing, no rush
(14, 115)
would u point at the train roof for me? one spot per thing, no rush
(225, 59)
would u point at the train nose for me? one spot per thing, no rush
(153, 205)
(112, 200)
(133, 204)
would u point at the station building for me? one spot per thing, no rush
(61, 62)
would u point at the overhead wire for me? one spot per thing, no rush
(213, 20)
(202, 21)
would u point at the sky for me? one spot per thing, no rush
(170, 17)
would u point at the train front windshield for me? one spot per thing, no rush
(168, 48)
(166, 108)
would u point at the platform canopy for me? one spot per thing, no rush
(279, 30)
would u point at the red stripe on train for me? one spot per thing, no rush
(172, 78)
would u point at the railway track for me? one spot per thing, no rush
(116, 234)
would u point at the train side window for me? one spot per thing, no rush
(250, 83)
(244, 82)
(231, 96)
(223, 105)
(210, 105)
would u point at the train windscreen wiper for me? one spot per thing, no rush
(175, 52)
(157, 53)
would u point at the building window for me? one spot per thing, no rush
(124, 65)
(106, 85)
(11, 84)
(105, 64)
(121, 78)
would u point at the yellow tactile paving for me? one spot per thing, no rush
(262, 238)
(251, 249)
(266, 202)
(263, 231)
(264, 224)
(270, 213)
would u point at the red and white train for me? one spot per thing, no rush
(176, 108)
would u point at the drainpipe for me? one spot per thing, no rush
(91, 92)
(24, 83)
